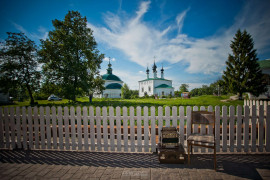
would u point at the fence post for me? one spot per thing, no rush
(167, 116)
(139, 129)
(246, 128)
(111, 112)
(146, 129)
(267, 128)
(261, 128)
(195, 128)
(239, 128)
(132, 129)
(217, 128)
(231, 128)
(105, 128)
(125, 126)
(73, 132)
(98, 127)
(36, 127)
(85, 128)
(92, 128)
(79, 127)
(160, 121)
(18, 127)
(60, 127)
(12, 127)
(48, 127)
(66, 121)
(224, 128)
(182, 125)
(153, 129)
(54, 128)
(210, 128)
(253, 128)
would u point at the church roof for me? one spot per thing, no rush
(114, 86)
(110, 77)
(164, 86)
(155, 79)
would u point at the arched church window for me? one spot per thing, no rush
(142, 89)
(149, 88)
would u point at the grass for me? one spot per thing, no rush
(205, 100)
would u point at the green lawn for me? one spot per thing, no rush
(194, 101)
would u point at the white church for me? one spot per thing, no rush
(113, 85)
(155, 86)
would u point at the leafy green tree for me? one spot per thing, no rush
(125, 92)
(19, 64)
(243, 73)
(71, 58)
(183, 88)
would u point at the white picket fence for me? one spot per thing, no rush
(237, 129)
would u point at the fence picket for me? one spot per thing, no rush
(18, 127)
(105, 128)
(239, 129)
(98, 127)
(73, 131)
(1, 128)
(202, 131)
(139, 129)
(54, 130)
(260, 129)
(246, 128)
(210, 127)
(48, 127)
(146, 129)
(153, 129)
(60, 127)
(195, 128)
(217, 128)
(182, 124)
(118, 127)
(267, 128)
(92, 127)
(132, 130)
(12, 127)
(224, 128)
(6, 122)
(67, 133)
(79, 127)
(111, 112)
(85, 128)
(42, 127)
(188, 121)
(36, 128)
(174, 117)
(160, 121)
(231, 128)
(253, 128)
(30, 127)
(125, 127)
(167, 116)
(24, 127)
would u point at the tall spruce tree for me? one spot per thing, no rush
(19, 64)
(243, 73)
(71, 59)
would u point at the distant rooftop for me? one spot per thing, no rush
(264, 64)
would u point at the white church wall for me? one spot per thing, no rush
(159, 82)
(146, 86)
(112, 93)
(167, 91)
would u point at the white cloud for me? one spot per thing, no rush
(107, 59)
(42, 32)
(140, 41)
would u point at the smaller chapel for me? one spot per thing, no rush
(155, 86)
(113, 85)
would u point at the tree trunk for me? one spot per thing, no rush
(240, 96)
(90, 98)
(32, 102)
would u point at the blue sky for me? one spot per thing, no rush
(191, 38)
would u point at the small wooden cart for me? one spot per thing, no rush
(170, 151)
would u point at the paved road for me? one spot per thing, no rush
(98, 165)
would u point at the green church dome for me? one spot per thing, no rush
(110, 77)
(114, 86)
